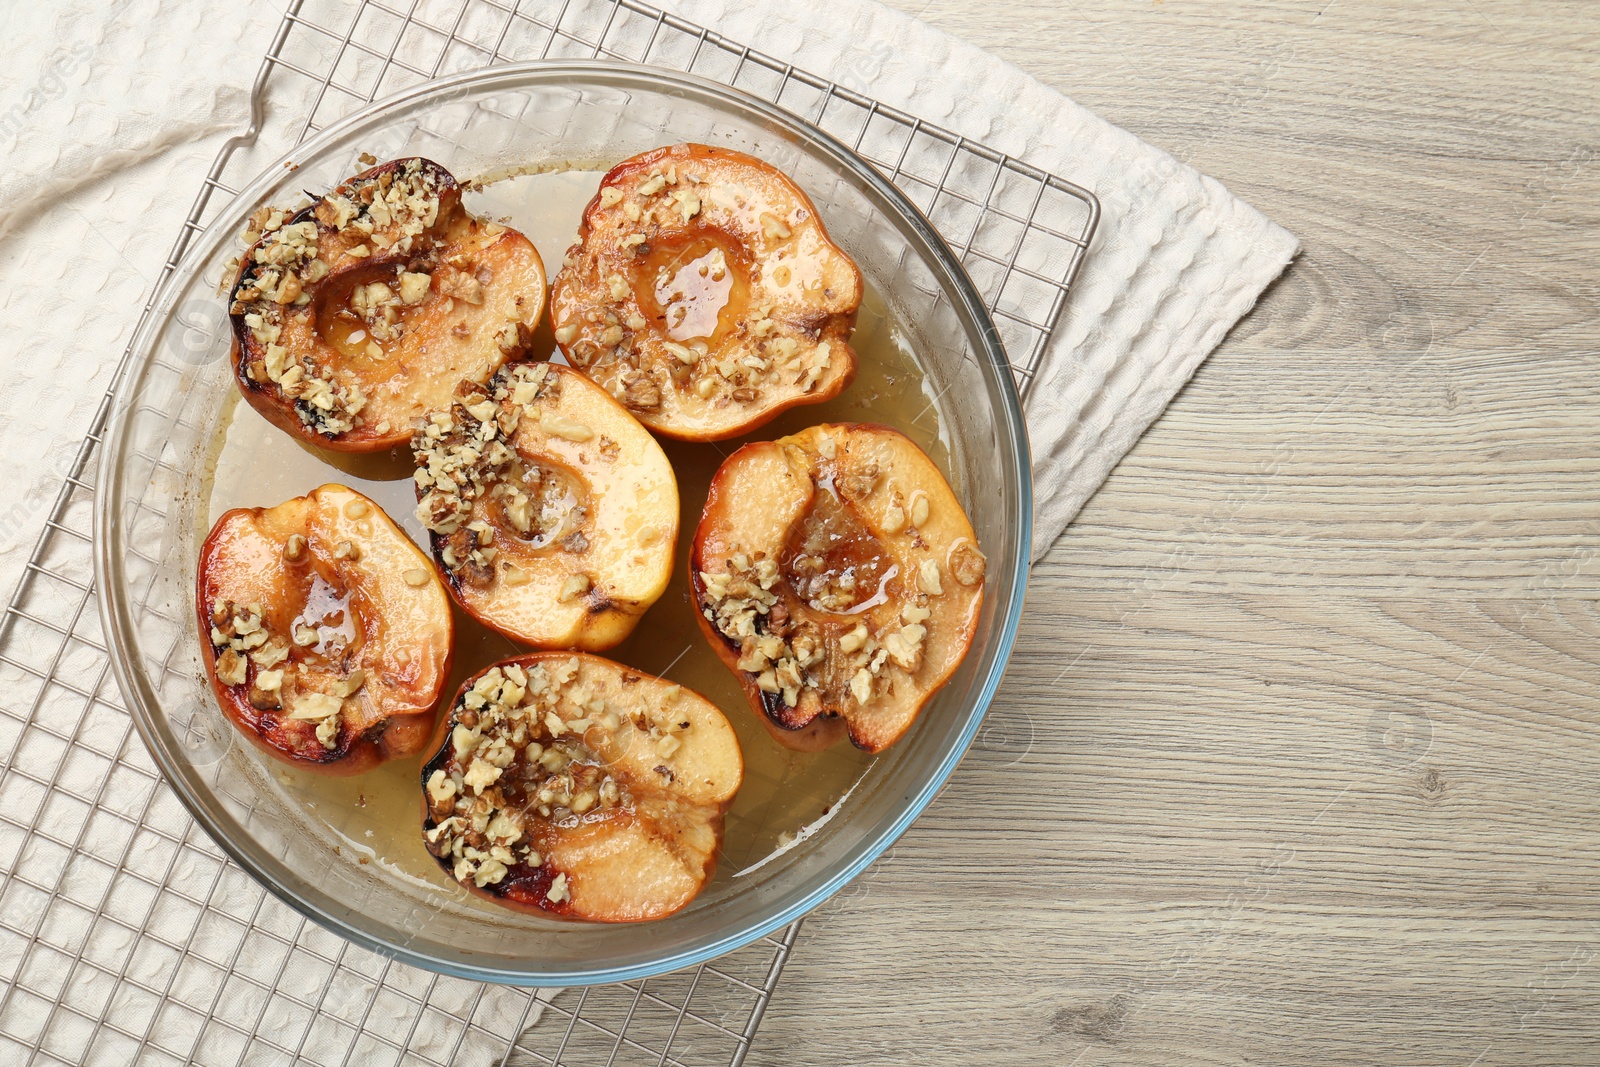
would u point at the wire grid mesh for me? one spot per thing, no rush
(125, 933)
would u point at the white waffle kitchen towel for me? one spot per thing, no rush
(111, 113)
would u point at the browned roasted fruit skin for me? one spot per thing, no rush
(778, 256)
(445, 341)
(393, 714)
(632, 863)
(758, 507)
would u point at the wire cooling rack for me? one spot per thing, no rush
(126, 935)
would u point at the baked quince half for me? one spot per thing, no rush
(705, 294)
(575, 786)
(837, 575)
(327, 634)
(552, 512)
(361, 312)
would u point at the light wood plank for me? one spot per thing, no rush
(1317, 784)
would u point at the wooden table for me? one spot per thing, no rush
(1318, 784)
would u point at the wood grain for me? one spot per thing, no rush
(1318, 782)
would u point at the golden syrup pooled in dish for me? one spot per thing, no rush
(698, 289)
(376, 816)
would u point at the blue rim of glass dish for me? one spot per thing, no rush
(115, 617)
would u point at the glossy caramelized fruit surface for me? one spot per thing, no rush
(705, 294)
(839, 578)
(361, 312)
(552, 511)
(327, 635)
(571, 785)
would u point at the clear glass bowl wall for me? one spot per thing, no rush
(153, 514)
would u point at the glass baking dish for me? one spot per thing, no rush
(176, 401)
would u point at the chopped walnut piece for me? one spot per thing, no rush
(519, 729)
(774, 227)
(967, 564)
(688, 203)
(269, 655)
(441, 788)
(854, 640)
(351, 684)
(315, 706)
(414, 287)
(391, 209)
(231, 668)
(919, 508)
(641, 393)
(264, 699)
(557, 893)
(858, 482)
(328, 732)
(683, 353)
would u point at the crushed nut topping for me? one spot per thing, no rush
(739, 602)
(773, 227)
(249, 654)
(967, 564)
(232, 668)
(391, 210)
(316, 706)
(688, 202)
(790, 655)
(464, 457)
(414, 287)
(858, 482)
(641, 393)
(520, 746)
(919, 508)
